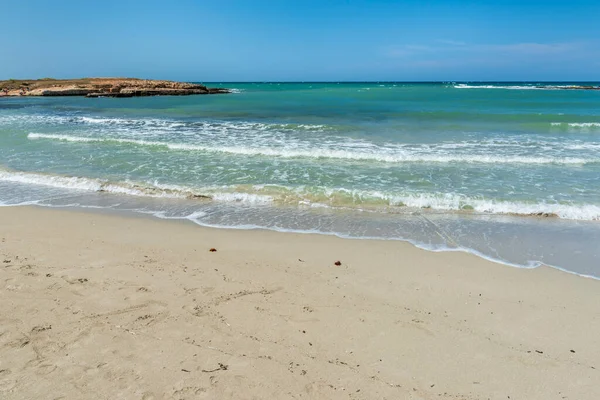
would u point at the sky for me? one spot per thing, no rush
(303, 40)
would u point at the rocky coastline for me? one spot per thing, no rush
(103, 87)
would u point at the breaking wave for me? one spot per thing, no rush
(358, 152)
(158, 123)
(519, 87)
(125, 188)
(577, 124)
(314, 197)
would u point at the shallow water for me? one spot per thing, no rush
(445, 166)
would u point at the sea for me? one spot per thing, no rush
(509, 171)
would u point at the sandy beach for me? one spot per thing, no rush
(111, 306)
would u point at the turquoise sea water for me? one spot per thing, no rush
(510, 171)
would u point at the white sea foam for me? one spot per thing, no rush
(130, 188)
(577, 124)
(163, 215)
(33, 118)
(585, 124)
(455, 202)
(91, 120)
(583, 146)
(62, 137)
(514, 87)
(364, 152)
(158, 123)
(248, 198)
(89, 184)
(331, 197)
(206, 125)
(64, 182)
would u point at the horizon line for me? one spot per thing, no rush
(388, 81)
(322, 81)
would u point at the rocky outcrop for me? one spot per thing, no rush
(68, 91)
(103, 87)
(149, 91)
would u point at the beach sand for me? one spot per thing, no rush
(111, 306)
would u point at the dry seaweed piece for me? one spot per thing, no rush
(222, 367)
(212, 250)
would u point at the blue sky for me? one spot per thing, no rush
(276, 40)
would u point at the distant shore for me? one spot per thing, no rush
(103, 87)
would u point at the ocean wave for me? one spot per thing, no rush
(444, 202)
(128, 188)
(515, 87)
(314, 197)
(159, 123)
(577, 124)
(236, 197)
(365, 152)
(217, 125)
(452, 202)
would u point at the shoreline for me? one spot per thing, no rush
(316, 234)
(138, 307)
(126, 213)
